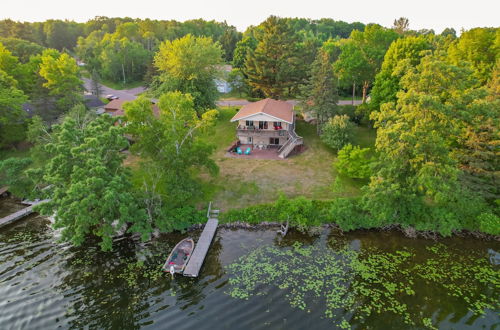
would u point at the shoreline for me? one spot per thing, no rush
(409, 232)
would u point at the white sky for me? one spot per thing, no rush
(431, 14)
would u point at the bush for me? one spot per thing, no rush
(347, 213)
(337, 132)
(353, 162)
(489, 223)
(351, 111)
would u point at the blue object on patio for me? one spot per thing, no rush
(248, 151)
(238, 150)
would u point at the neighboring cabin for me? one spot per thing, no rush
(223, 86)
(115, 108)
(268, 124)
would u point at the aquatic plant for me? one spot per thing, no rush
(362, 283)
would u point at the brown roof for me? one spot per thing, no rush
(279, 109)
(115, 108)
(114, 105)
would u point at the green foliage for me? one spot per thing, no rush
(337, 132)
(12, 174)
(22, 49)
(367, 283)
(190, 65)
(362, 55)
(403, 54)
(480, 47)
(419, 141)
(319, 95)
(91, 190)
(171, 152)
(61, 78)
(274, 68)
(489, 223)
(353, 162)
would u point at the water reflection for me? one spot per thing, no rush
(45, 285)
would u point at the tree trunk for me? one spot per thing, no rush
(366, 84)
(123, 73)
(353, 91)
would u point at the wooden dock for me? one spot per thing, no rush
(20, 214)
(200, 251)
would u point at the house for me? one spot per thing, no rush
(268, 124)
(115, 108)
(222, 84)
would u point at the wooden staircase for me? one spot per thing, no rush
(290, 144)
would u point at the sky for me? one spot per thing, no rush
(429, 14)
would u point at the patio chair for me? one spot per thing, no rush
(238, 150)
(248, 151)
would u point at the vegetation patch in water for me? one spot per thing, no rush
(362, 283)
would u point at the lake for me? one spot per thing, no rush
(243, 283)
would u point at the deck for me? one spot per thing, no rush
(200, 251)
(20, 214)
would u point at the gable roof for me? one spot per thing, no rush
(280, 110)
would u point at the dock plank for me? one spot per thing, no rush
(20, 214)
(200, 251)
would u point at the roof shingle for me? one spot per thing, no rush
(278, 109)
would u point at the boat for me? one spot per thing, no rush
(179, 257)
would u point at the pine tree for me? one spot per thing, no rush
(272, 67)
(319, 95)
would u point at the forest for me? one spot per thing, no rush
(433, 100)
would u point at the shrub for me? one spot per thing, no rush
(337, 132)
(353, 162)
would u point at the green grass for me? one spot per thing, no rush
(121, 85)
(17, 153)
(243, 182)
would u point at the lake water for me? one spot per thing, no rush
(49, 285)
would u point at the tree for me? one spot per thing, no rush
(170, 149)
(21, 49)
(362, 55)
(95, 84)
(403, 54)
(190, 65)
(417, 177)
(12, 115)
(244, 47)
(91, 191)
(237, 81)
(353, 162)
(122, 59)
(337, 132)
(479, 47)
(61, 75)
(12, 174)
(401, 25)
(272, 67)
(319, 95)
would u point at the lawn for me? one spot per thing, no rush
(121, 85)
(242, 182)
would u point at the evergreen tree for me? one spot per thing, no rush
(319, 95)
(272, 67)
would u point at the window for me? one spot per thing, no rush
(249, 123)
(274, 141)
(262, 124)
(277, 125)
(249, 139)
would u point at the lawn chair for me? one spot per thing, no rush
(238, 150)
(248, 151)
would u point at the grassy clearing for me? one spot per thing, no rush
(243, 182)
(121, 85)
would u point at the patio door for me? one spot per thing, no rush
(274, 141)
